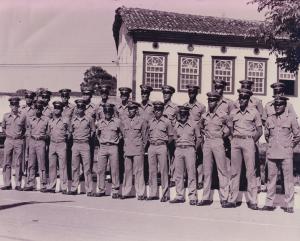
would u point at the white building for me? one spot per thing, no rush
(158, 48)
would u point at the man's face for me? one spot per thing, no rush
(80, 110)
(278, 92)
(28, 101)
(45, 100)
(104, 95)
(192, 94)
(65, 99)
(124, 97)
(39, 111)
(87, 98)
(167, 96)
(243, 100)
(145, 96)
(247, 86)
(108, 114)
(212, 103)
(219, 89)
(57, 111)
(14, 107)
(183, 116)
(132, 112)
(279, 108)
(158, 112)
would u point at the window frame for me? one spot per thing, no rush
(265, 60)
(199, 57)
(153, 53)
(296, 82)
(233, 58)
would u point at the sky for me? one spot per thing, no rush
(50, 43)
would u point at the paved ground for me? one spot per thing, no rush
(35, 216)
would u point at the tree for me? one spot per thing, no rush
(282, 30)
(95, 76)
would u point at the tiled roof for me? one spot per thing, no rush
(137, 19)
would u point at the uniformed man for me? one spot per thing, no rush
(196, 111)
(246, 129)
(224, 104)
(38, 129)
(47, 110)
(170, 111)
(109, 135)
(134, 130)
(104, 90)
(160, 134)
(58, 133)
(188, 139)
(82, 128)
(122, 107)
(214, 125)
(13, 126)
(146, 109)
(29, 111)
(68, 108)
(282, 135)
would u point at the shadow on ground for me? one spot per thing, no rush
(18, 204)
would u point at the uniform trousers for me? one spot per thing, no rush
(243, 149)
(81, 151)
(158, 156)
(213, 150)
(287, 168)
(58, 152)
(37, 152)
(105, 153)
(13, 156)
(185, 159)
(134, 165)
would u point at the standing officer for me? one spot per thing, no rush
(214, 124)
(170, 111)
(134, 130)
(82, 128)
(224, 104)
(146, 109)
(29, 111)
(104, 90)
(188, 139)
(58, 133)
(38, 129)
(13, 126)
(109, 135)
(47, 110)
(160, 134)
(282, 135)
(122, 107)
(246, 128)
(68, 108)
(196, 111)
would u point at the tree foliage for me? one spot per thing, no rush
(282, 31)
(95, 76)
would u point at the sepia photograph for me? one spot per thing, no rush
(149, 120)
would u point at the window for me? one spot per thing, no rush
(256, 70)
(290, 81)
(189, 71)
(223, 68)
(155, 69)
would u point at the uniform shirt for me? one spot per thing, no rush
(269, 110)
(38, 126)
(68, 111)
(279, 132)
(122, 111)
(186, 134)
(14, 125)
(90, 111)
(170, 111)
(146, 111)
(110, 131)
(134, 131)
(196, 110)
(82, 128)
(214, 125)
(253, 103)
(226, 105)
(48, 111)
(244, 123)
(58, 129)
(29, 112)
(160, 130)
(99, 110)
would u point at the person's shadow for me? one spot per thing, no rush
(18, 204)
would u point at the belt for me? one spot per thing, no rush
(184, 146)
(15, 138)
(242, 137)
(53, 141)
(108, 144)
(157, 143)
(39, 138)
(213, 137)
(81, 141)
